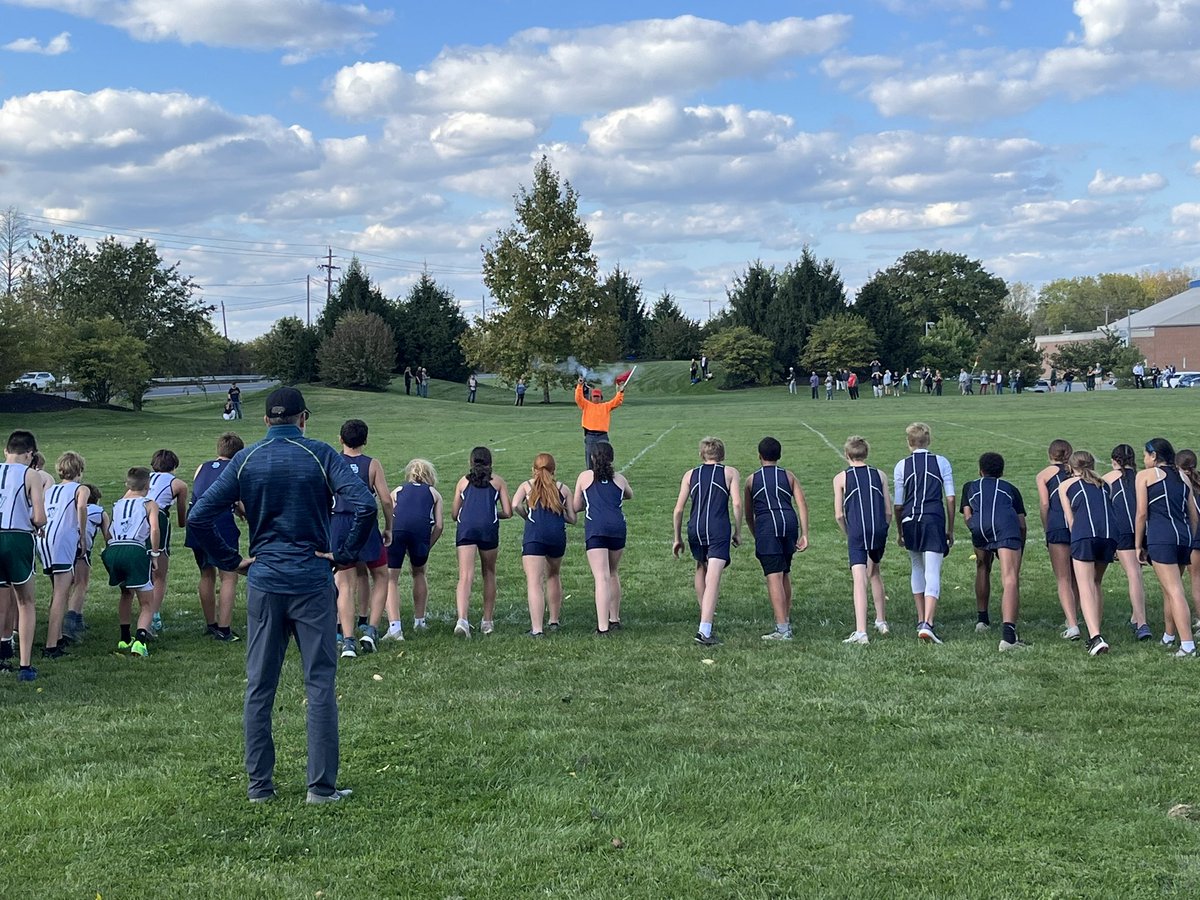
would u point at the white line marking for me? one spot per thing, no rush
(1008, 437)
(467, 450)
(828, 443)
(648, 448)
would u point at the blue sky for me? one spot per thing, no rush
(1046, 139)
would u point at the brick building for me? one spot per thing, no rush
(1167, 333)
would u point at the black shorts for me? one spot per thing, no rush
(537, 548)
(775, 563)
(1170, 554)
(203, 560)
(604, 542)
(1100, 550)
(482, 543)
(1058, 536)
(1126, 541)
(860, 555)
(1004, 544)
(415, 546)
(715, 550)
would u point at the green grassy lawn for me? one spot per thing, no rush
(643, 765)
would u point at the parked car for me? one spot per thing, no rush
(1189, 379)
(1176, 380)
(1041, 386)
(34, 381)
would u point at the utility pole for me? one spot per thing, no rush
(709, 302)
(329, 268)
(308, 300)
(224, 324)
(483, 307)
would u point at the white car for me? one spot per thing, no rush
(1174, 381)
(35, 381)
(1041, 386)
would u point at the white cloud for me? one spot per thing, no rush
(1139, 24)
(924, 7)
(1049, 212)
(56, 46)
(842, 66)
(301, 28)
(1185, 214)
(1102, 184)
(542, 72)
(662, 124)
(475, 134)
(934, 215)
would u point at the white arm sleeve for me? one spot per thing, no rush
(947, 475)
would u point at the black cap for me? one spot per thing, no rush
(284, 402)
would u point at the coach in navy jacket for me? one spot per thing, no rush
(287, 482)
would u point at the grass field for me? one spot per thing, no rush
(642, 766)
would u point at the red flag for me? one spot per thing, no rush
(624, 376)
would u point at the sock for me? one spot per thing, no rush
(26, 668)
(212, 625)
(706, 629)
(143, 635)
(125, 635)
(417, 623)
(464, 622)
(396, 625)
(1168, 639)
(983, 617)
(1010, 633)
(6, 650)
(224, 631)
(1189, 646)
(783, 628)
(362, 620)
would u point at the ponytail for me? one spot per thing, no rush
(543, 490)
(481, 467)
(1185, 461)
(1122, 455)
(1083, 464)
(602, 461)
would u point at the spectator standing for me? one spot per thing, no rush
(472, 386)
(814, 382)
(287, 483)
(408, 379)
(235, 400)
(521, 392)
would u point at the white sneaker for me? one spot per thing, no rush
(1070, 634)
(420, 626)
(487, 627)
(394, 634)
(1018, 644)
(881, 627)
(981, 627)
(778, 635)
(463, 628)
(858, 637)
(925, 633)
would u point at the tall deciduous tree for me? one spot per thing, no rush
(154, 303)
(950, 345)
(1088, 302)
(106, 361)
(927, 286)
(1009, 345)
(1110, 353)
(1164, 283)
(430, 326)
(842, 340)
(548, 306)
(897, 332)
(15, 235)
(807, 291)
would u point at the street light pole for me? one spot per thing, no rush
(928, 325)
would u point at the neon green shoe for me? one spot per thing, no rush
(137, 648)
(123, 646)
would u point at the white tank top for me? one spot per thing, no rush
(15, 505)
(130, 523)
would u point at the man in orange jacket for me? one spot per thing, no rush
(596, 415)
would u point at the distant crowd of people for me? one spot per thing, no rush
(887, 382)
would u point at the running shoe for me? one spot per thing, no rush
(55, 652)
(858, 637)
(1143, 632)
(535, 634)
(349, 648)
(394, 633)
(1071, 634)
(463, 629)
(615, 625)
(138, 648)
(336, 797)
(981, 627)
(710, 641)
(925, 633)
(486, 626)
(212, 630)
(124, 646)
(29, 674)
(553, 626)
(881, 627)
(1018, 644)
(227, 637)
(1184, 654)
(420, 626)
(367, 639)
(1097, 645)
(778, 635)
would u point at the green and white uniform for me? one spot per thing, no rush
(160, 492)
(126, 556)
(58, 545)
(16, 526)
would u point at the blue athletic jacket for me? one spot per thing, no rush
(287, 483)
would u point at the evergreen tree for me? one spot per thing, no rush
(671, 334)
(355, 292)
(431, 326)
(548, 306)
(626, 295)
